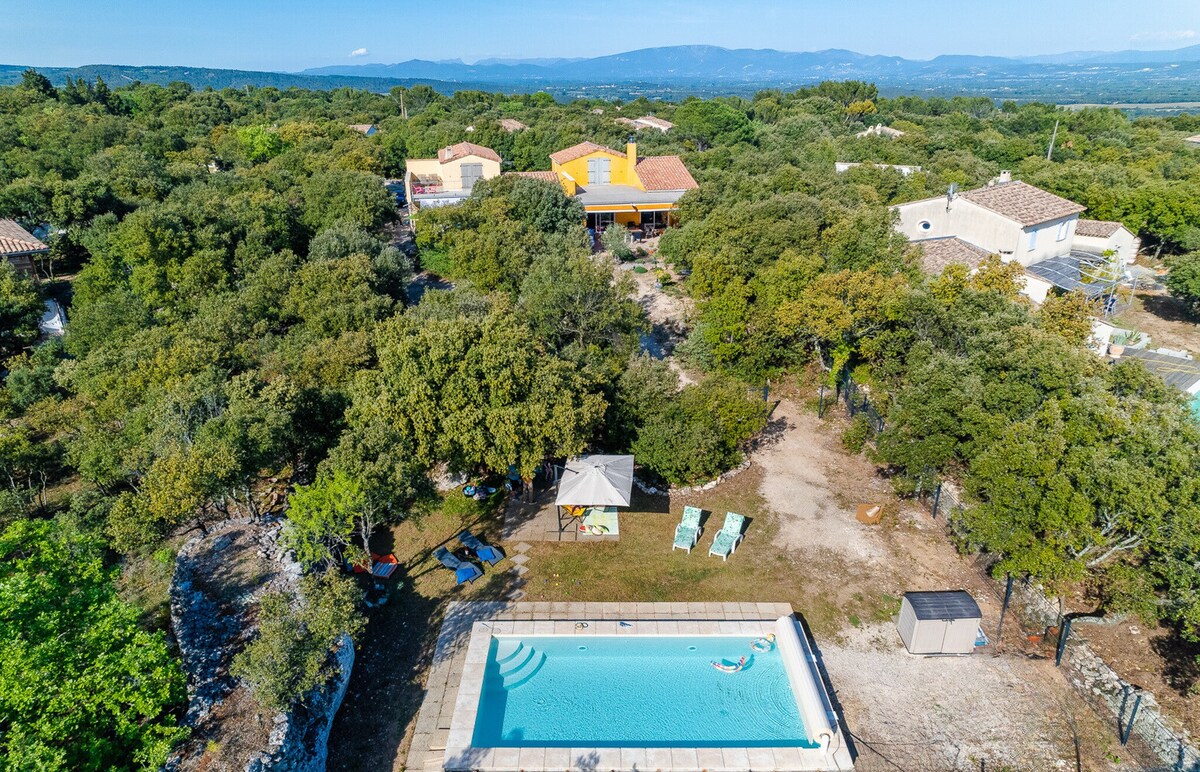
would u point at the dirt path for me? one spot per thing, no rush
(670, 316)
(1012, 708)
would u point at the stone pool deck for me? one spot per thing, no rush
(436, 730)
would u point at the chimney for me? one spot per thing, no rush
(631, 163)
(1005, 177)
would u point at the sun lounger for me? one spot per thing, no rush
(727, 539)
(687, 533)
(382, 566)
(464, 570)
(485, 552)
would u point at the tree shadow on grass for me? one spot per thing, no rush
(1170, 309)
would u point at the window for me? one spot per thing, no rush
(599, 171)
(1032, 240)
(471, 173)
(1063, 227)
(925, 225)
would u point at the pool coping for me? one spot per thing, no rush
(641, 619)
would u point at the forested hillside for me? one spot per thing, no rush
(238, 312)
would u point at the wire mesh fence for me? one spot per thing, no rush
(858, 402)
(1134, 711)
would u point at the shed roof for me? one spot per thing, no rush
(15, 240)
(464, 149)
(1022, 202)
(937, 254)
(943, 604)
(1098, 229)
(512, 124)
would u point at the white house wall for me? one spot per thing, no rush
(1123, 243)
(985, 228)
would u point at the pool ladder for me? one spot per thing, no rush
(520, 665)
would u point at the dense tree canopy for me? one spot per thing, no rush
(240, 311)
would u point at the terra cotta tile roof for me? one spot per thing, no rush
(664, 172)
(1022, 202)
(937, 254)
(15, 240)
(580, 150)
(512, 124)
(1097, 229)
(545, 176)
(463, 149)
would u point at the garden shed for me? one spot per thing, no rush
(941, 622)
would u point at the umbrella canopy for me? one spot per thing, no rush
(596, 481)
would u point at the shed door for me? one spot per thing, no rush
(470, 174)
(599, 171)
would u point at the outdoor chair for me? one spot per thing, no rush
(727, 539)
(485, 552)
(464, 570)
(687, 533)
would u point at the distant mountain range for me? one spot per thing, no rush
(712, 63)
(677, 71)
(203, 77)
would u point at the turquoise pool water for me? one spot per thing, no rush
(635, 691)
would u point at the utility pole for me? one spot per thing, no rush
(1053, 137)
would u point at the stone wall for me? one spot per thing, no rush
(1104, 688)
(210, 630)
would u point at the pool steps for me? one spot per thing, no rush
(520, 665)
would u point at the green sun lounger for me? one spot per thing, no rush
(727, 539)
(687, 533)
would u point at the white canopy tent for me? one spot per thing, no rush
(596, 481)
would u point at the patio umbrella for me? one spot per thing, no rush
(596, 481)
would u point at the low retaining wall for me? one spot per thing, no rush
(1104, 688)
(653, 491)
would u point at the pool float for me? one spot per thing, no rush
(725, 667)
(763, 645)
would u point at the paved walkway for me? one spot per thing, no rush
(427, 750)
(538, 521)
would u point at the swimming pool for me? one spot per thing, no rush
(543, 695)
(598, 691)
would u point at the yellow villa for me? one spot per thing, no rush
(448, 179)
(620, 188)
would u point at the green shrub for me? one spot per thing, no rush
(639, 269)
(854, 438)
(696, 434)
(296, 636)
(437, 261)
(614, 241)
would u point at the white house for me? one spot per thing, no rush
(1012, 219)
(879, 130)
(841, 167)
(1100, 236)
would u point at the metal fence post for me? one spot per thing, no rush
(1132, 717)
(937, 497)
(1064, 632)
(1004, 606)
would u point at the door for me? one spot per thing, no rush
(599, 171)
(471, 173)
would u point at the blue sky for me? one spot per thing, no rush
(292, 35)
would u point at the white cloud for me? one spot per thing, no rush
(359, 52)
(1166, 36)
